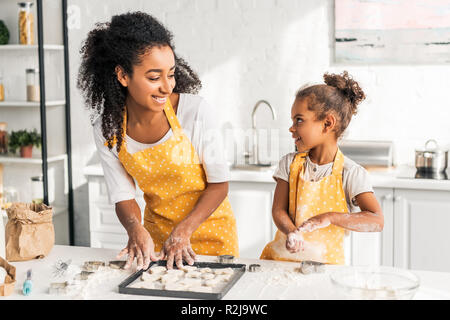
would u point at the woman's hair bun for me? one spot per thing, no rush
(349, 87)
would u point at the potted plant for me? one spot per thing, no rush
(4, 33)
(25, 140)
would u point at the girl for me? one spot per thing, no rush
(150, 130)
(317, 185)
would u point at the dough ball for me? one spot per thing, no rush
(157, 269)
(208, 276)
(224, 271)
(193, 274)
(205, 270)
(189, 268)
(150, 277)
(224, 277)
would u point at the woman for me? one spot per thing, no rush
(152, 130)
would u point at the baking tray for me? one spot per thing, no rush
(239, 270)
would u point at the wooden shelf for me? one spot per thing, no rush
(12, 47)
(34, 160)
(28, 104)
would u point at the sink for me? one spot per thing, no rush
(253, 167)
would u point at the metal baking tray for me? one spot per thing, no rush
(239, 270)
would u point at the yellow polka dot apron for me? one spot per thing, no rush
(172, 179)
(308, 199)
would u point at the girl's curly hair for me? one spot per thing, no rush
(121, 42)
(340, 94)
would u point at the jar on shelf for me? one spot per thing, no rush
(37, 189)
(2, 88)
(3, 138)
(33, 88)
(26, 23)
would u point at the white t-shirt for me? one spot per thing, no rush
(355, 179)
(198, 120)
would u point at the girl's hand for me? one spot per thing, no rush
(178, 247)
(294, 242)
(314, 223)
(140, 246)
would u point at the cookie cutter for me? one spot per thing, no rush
(117, 264)
(93, 265)
(254, 267)
(84, 275)
(58, 288)
(226, 258)
(308, 267)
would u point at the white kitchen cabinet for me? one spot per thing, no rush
(252, 206)
(375, 248)
(421, 229)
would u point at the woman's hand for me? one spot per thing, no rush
(294, 242)
(140, 246)
(314, 223)
(178, 247)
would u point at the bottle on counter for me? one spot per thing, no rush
(2, 88)
(3, 138)
(37, 190)
(33, 87)
(26, 23)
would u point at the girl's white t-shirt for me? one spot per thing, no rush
(355, 179)
(198, 120)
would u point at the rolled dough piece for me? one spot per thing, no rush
(157, 269)
(176, 272)
(224, 277)
(224, 271)
(193, 274)
(169, 278)
(205, 270)
(208, 276)
(189, 268)
(150, 277)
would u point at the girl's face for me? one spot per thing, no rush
(153, 78)
(306, 130)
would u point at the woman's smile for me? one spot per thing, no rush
(159, 100)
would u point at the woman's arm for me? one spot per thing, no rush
(178, 245)
(140, 244)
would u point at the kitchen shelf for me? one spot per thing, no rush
(12, 47)
(11, 159)
(28, 104)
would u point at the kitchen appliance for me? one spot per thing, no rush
(369, 154)
(431, 159)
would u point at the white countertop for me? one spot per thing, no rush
(276, 280)
(387, 178)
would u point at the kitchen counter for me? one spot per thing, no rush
(381, 178)
(276, 280)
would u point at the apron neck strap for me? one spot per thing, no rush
(171, 116)
(338, 164)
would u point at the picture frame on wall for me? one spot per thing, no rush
(392, 31)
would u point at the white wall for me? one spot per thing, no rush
(246, 50)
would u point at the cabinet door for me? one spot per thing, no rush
(252, 207)
(422, 220)
(375, 248)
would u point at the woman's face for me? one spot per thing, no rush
(306, 130)
(153, 78)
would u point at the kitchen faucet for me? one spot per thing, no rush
(255, 136)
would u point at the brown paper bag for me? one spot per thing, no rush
(10, 280)
(29, 232)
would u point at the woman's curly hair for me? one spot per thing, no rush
(121, 42)
(340, 94)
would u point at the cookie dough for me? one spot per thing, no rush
(157, 269)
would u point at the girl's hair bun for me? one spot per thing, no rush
(349, 87)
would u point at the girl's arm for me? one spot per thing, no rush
(280, 208)
(178, 247)
(369, 219)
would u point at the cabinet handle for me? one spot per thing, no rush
(387, 197)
